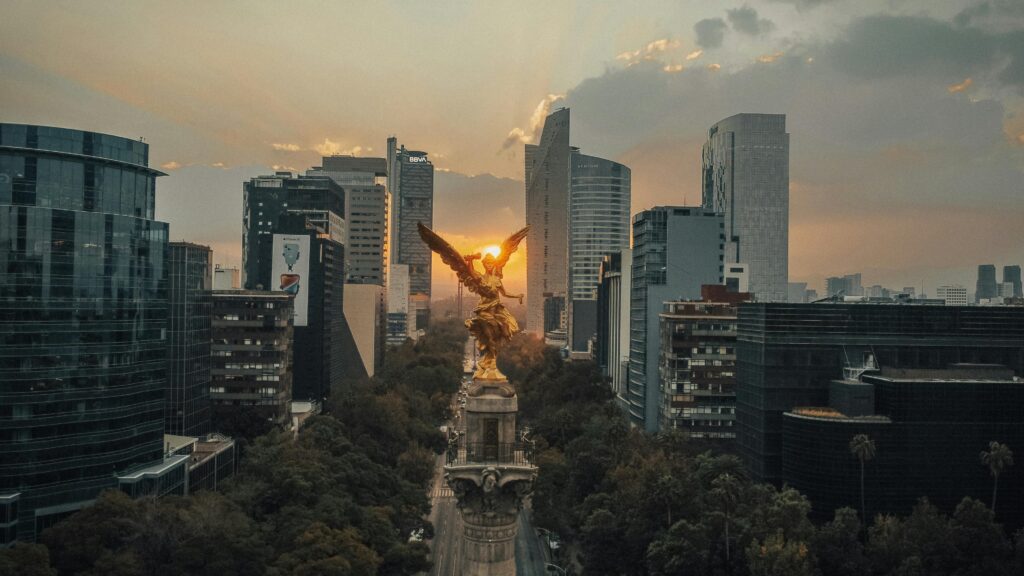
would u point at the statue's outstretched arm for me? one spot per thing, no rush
(501, 288)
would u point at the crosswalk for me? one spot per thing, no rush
(441, 490)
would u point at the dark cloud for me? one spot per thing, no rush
(992, 13)
(710, 32)
(745, 20)
(806, 3)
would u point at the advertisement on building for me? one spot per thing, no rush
(290, 272)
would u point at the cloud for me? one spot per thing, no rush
(745, 20)
(286, 147)
(218, 165)
(954, 88)
(172, 165)
(518, 136)
(673, 68)
(649, 52)
(284, 168)
(694, 55)
(710, 32)
(714, 67)
(331, 148)
(769, 58)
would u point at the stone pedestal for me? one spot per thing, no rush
(490, 473)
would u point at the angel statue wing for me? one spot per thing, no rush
(450, 256)
(508, 247)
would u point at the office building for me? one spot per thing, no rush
(187, 396)
(1006, 290)
(83, 320)
(698, 365)
(293, 234)
(611, 350)
(1011, 274)
(366, 315)
(797, 292)
(411, 183)
(366, 215)
(787, 354)
(676, 250)
(599, 200)
(251, 375)
(547, 167)
(849, 285)
(746, 177)
(401, 323)
(226, 278)
(986, 287)
(928, 426)
(952, 295)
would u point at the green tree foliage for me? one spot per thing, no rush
(26, 560)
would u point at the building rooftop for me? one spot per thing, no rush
(829, 413)
(953, 373)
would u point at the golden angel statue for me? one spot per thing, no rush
(492, 324)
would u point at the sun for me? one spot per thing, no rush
(493, 250)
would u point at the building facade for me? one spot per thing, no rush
(547, 168)
(676, 250)
(599, 205)
(83, 315)
(366, 315)
(611, 350)
(849, 285)
(928, 426)
(698, 365)
(226, 278)
(251, 375)
(366, 215)
(1011, 275)
(787, 354)
(189, 310)
(986, 287)
(746, 178)
(401, 323)
(952, 295)
(411, 176)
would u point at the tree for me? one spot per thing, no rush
(997, 457)
(837, 546)
(26, 560)
(863, 447)
(779, 557)
(725, 490)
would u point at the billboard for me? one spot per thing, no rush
(289, 272)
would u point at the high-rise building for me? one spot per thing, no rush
(252, 358)
(599, 200)
(293, 234)
(952, 295)
(787, 354)
(746, 177)
(411, 179)
(83, 316)
(797, 292)
(547, 180)
(1011, 274)
(366, 314)
(401, 318)
(849, 285)
(928, 427)
(986, 287)
(187, 405)
(226, 278)
(698, 364)
(366, 215)
(611, 351)
(676, 250)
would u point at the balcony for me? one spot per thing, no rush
(462, 453)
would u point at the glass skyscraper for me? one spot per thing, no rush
(599, 200)
(190, 279)
(83, 319)
(411, 178)
(746, 177)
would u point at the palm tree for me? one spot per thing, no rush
(726, 490)
(997, 457)
(863, 447)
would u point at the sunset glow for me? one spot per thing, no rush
(493, 250)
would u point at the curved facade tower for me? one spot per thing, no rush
(599, 201)
(83, 309)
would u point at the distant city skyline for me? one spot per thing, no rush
(873, 123)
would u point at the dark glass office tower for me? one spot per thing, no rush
(411, 176)
(190, 278)
(1011, 274)
(83, 316)
(986, 287)
(787, 354)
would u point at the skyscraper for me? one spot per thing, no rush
(676, 250)
(613, 302)
(1011, 274)
(547, 213)
(599, 202)
(411, 175)
(292, 241)
(187, 408)
(83, 314)
(366, 215)
(746, 177)
(986, 287)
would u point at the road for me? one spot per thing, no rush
(529, 552)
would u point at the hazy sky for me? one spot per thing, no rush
(906, 116)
